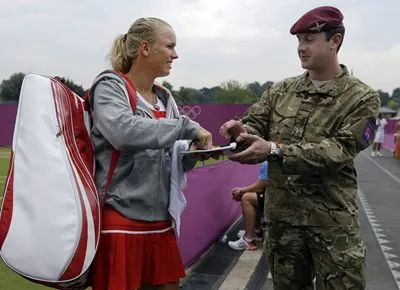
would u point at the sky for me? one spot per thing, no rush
(217, 40)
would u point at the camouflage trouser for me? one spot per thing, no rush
(335, 256)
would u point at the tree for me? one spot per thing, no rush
(394, 105)
(396, 95)
(167, 85)
(233, 92)
(77, 89)
(267, 85)
(11, 88)
(384, 96)
(182, 96)
(256, 88)
(187, 96)
(195, 96)
(209, 94)
(259, 89)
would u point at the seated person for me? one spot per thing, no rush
(252, 203)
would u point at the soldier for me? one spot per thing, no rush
(310, 128)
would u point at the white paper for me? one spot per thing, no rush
(231, 146)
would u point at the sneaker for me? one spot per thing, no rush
(379, 154)
(240, 233)
(373, 154)
(269, 276)
(258, 236)
(242, 244)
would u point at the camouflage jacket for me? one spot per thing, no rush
(320, 129)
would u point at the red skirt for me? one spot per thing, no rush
(134, 253)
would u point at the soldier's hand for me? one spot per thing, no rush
(203, 140)
(257, 152)
(232, 128)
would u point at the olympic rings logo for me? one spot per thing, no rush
(190, 111)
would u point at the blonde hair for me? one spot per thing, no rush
(125, 49)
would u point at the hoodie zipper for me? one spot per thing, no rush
(149, 114)
(161, 160)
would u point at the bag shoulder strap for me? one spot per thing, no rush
(132, 97)
(131, 89)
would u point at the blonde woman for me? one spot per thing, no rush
(138, 248)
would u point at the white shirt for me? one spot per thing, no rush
(381, 123)
(160, 104)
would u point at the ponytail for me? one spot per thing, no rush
(120, 60)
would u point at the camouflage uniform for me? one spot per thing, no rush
(311, 202)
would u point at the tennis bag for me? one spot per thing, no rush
(50, 214)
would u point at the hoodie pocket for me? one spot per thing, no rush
(141, 185)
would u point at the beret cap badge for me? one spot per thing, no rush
(317, 27)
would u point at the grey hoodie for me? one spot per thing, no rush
(140, 185)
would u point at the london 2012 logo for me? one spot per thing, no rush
(190, 111)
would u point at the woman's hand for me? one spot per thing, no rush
(204, 156)
(203, 140)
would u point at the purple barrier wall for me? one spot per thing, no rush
(389, 142)
(389, 132)
(7, 121)
(212, 116)
(211, 209)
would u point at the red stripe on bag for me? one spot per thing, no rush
(7, 207)
(84, 154)
(64, 101)
(62, 107)
(76, 265)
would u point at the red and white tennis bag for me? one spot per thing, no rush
(50, 215)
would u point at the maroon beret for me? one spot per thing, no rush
(319, 19)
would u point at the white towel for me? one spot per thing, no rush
(177, 200)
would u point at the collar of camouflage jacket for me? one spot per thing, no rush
(332, 88)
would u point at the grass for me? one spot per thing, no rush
(209, 161)
(12, 281)
(4, 150)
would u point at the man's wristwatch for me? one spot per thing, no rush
(275, 151)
